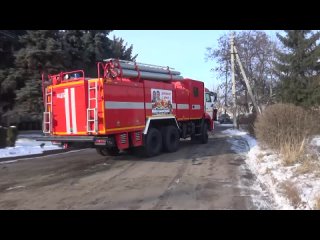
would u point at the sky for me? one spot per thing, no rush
(183, 50)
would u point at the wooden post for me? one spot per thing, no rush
(234, 112)
(246, 80)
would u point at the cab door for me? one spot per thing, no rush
(209, 104)
(196, 98)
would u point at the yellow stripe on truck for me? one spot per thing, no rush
(65, 133)
(66, 84)
(124, 128)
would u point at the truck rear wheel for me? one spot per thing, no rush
(194, 138)
(170, 138)
(153, 144)
(114, 151)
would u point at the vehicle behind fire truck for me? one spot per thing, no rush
(128, 106)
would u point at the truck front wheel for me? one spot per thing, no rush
(170, 136)
(114, 151)
(204, 135)
(153, 144)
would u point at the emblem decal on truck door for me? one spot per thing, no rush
(161, 101)
(60, 95)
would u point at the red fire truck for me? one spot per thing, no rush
(128, 106)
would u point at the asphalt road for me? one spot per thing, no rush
(209, 176)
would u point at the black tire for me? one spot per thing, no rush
(139, 151)
(204, 134)
(194, 139)
(170, 138)
(130, 151)
(114, 151)
(153, 144)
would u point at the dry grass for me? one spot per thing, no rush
(286, 129)
(292, 152)
(292, 193)
(306, 167)
(247, 122)
(317, 173)
(317, 203)
(260, 157)
(268, 170)
(309, 164)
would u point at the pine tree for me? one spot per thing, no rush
(84, 48)
(41, 52)
(297, 67)
(96, 48)
(9, 44)
(73, 48)
(120, 50)
(50, 52)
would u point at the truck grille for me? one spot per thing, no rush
(123, 138)
(138, 136)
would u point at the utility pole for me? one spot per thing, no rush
(234, 50)
(233, 83)
(225, 100)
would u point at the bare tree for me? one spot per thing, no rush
(256, 51)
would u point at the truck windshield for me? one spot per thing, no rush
(208, 98)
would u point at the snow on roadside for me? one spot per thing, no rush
(225, 124)
(271, 173)
(27, 146)
(316, 141)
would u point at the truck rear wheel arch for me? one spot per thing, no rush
(207, 121)
(160, 122)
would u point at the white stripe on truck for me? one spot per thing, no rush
(66, 109)
(73, 111)
(196, 107)
(148, 105)
(124, 105)
(138, 105)
(182, 106)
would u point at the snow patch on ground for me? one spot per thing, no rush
(316, 141)
(27, 145)
(234, 132)
(249, 185)
(225, 124)
(270, 172)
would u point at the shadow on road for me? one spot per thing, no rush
(189, 150)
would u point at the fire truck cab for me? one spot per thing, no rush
(128, 106)
(210, 99)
